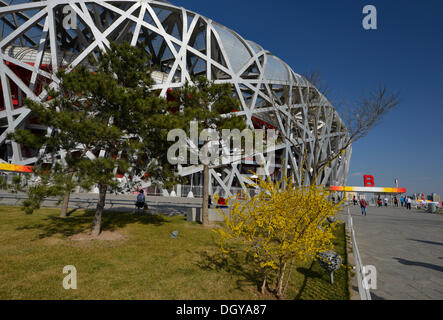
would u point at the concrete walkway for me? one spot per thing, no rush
(406, 247)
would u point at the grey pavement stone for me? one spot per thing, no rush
(406, 247)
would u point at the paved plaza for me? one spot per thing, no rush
(406, 247)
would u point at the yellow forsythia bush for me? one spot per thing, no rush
(282, 225)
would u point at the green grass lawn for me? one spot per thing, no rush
(146, 264)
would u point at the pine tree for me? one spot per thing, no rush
(104, 117)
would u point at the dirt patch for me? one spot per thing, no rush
(104, 236)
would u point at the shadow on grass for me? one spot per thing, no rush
(243, 266)
(72, 225)
(238, 264)
(308, 274)
(70, 212)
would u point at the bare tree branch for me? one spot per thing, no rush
(307, 127)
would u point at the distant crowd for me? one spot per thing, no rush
(405, 202)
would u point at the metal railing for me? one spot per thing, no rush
(155, 201)
(364, 292)
(197, 191)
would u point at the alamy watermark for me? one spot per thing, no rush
(70, 20)
(369, 280)
(217, 150)
(370, 20)
(70, 281)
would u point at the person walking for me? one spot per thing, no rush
(363, 205)
(402, 201)
(355, 200)
(395, 202)
(386, 202)
(409, 203)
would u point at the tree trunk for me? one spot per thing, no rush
(265, 282)
(280, 281)
(263, 286)
(291, 266)
(96, 225)
(64, 208)
(205, 211)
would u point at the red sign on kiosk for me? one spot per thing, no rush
(368, 181)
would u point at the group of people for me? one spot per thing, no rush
(384, 202)
(405, 202)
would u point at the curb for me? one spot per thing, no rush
(352, 276)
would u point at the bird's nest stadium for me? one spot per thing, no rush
(37, 38)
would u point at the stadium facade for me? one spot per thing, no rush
(39, 37)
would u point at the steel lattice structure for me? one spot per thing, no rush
(35, 43)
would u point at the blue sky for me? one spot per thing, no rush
(405, 53)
